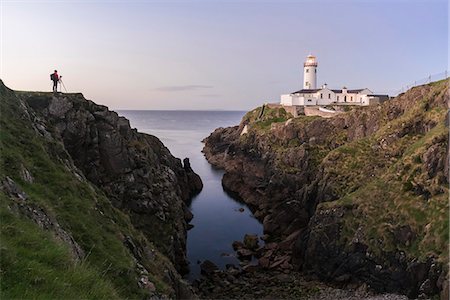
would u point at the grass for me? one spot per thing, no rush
(33, 263)
(381, 203)
(270, 115)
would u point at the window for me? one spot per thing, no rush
(307, 70)
(345, 98)
(309, 100)
(337, 98)
(329, 96)
(351, 98)
(315, 71)
(307, 84)
(321, 96)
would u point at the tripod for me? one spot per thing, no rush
(62, 83)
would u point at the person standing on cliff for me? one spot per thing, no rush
(55, 78)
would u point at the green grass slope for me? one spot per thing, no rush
(36, 265)
(395, 183)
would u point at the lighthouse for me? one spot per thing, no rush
(310, 73)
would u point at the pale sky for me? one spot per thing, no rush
(232, 55)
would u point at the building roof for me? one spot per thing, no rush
(311, 91)
(306, 91)
(378, 95)
(355, 91)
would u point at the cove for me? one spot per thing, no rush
(218, 218)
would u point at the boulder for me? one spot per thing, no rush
(264, 262)
(237, 245)
(208, 268)
(244, 254)
(251, 241)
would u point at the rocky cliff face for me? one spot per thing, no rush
(361, 197)
(78, 184)
(135, 170)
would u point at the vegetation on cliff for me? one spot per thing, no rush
(62, 236)
(365, 192)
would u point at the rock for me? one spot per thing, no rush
(230, 266)
(208, 268)
(271, 246)
(237, 245)
(284, 278)
(426, 288)
(343, 278)
(196, 184)
(445, 294)
(134, 170)
(251, 241)
(251, 268)
(288, 242)
(293, 188)
(244, 254)
(241, 209)
(278, 261)
(59, 107)
(264, 262)
(26, 175)
(264, 237)
(144, 283)
(404, 235)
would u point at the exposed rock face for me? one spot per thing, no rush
(338, 194)
(135, 170)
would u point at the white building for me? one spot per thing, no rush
(311, 95)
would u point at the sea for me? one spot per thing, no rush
(218, 218)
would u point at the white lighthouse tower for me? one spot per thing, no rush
(310, 73)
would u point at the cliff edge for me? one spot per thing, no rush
(358, 198)
(95, 191)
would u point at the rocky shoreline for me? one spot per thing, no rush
(307, 180)
(276, 280)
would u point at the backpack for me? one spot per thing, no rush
(52, 77)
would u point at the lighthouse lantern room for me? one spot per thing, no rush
(310, 73)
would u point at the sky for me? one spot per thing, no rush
(218, 55)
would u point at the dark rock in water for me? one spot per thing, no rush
(208, 267)
(251, 241)
(237, 245)
(244, 254)
(193, 178)
(241, 209)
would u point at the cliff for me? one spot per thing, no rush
(90, 207)
(360, 197)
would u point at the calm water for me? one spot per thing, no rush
(217, 220)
